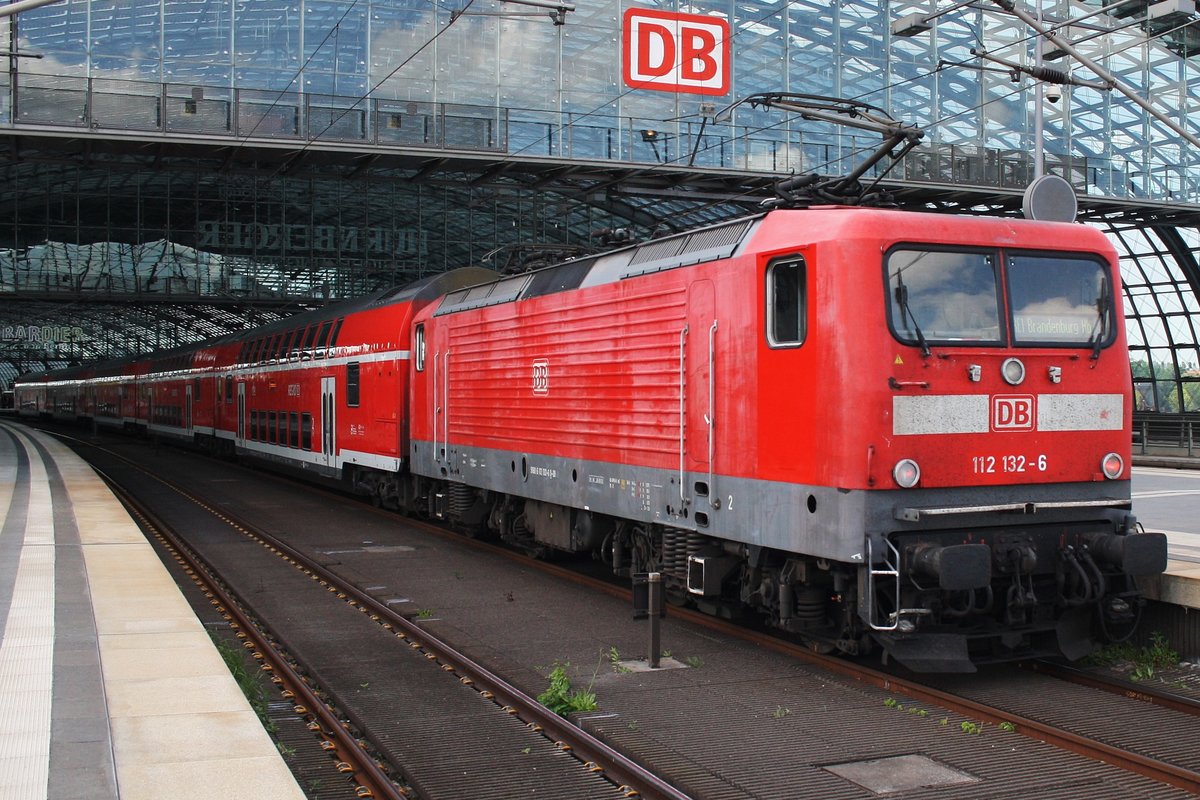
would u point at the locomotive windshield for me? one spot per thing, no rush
(944, 296)
(954, 297)
(1059, 301)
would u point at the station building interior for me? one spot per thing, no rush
(176, 169)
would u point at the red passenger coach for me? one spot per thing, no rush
(873, 428)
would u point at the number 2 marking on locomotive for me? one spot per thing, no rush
(729, 505)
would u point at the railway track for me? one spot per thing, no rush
(368, 778)
(596, 763)
(998, 708)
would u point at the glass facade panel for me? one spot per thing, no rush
(558, 89)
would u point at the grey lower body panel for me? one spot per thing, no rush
(821, 521)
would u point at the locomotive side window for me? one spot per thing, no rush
(943, 296)
(787, 310)
(352, 375)
(1059, 301)
(419, 347)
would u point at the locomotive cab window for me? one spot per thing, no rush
(419, 347)
(1061, 301)
(787, 310)
(943, 296)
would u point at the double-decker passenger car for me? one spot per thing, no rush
(869, 426)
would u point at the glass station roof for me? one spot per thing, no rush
(233, 154)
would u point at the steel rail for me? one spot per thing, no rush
(623, 771)
(1118, 686)
(1136, 763)
(371, 780)
(1145, 766)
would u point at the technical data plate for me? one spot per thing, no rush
(900, 774)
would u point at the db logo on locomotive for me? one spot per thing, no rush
(1013, 412)
(541, 376)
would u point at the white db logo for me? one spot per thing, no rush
(541, 376)
(670, 52)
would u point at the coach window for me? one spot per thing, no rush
(228, 388)
(254, 425)
(293, 340)
(352, 375)
(293, 429)
(786, 303)
(271, 423)
(306, 346)
(306, 431)
(419, 346)
(323, 339)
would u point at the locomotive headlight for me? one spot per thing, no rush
(1013, 371)
(1112, 465)
(906, 473)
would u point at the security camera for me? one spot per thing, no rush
(1054, 92)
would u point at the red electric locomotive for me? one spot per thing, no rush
(871, 427)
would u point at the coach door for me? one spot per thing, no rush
(328, 421)
(187, 407)
(241, 414)
(699, 397)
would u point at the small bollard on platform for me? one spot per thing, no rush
(648, 602)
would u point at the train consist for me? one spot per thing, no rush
(873, 428)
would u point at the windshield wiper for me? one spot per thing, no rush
(906, 313)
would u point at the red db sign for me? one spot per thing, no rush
(676, 52)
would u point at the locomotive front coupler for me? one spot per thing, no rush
(1131, 553)
(956, 567)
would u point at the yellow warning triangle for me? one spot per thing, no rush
(898, 361)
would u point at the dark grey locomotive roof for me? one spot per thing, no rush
(681, 250)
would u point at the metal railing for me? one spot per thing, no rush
(116, 106)
(1165, 433)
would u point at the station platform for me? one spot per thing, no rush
(1180, 584)
(109, 685)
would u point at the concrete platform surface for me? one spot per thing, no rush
(109, 685)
